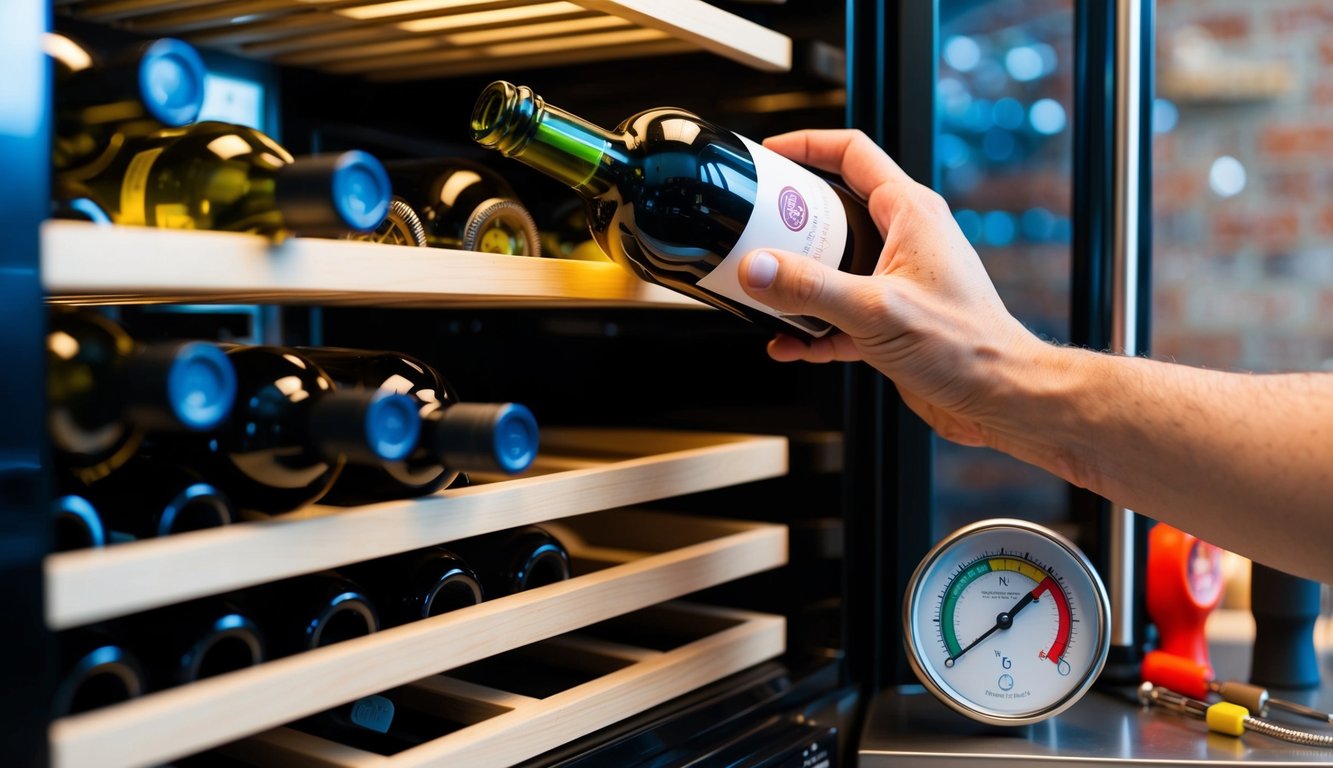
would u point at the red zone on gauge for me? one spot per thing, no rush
(993, 563)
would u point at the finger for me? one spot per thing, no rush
(798, 285)
(835, 348)
(849, 153)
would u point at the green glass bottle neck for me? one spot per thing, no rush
(521, 125)
(572, 150)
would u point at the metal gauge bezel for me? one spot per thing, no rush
(1101, 638)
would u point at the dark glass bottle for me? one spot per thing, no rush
(77, 523)
(193, 641)
(71, 201)
(467, 437)
(150, 497)
(565, 234)
(101, 101)
(105, 392)
(514, 560)
(401, 226)
(220, 176)
(383, 723)
(680, 201)
(465, 206)
(311, 611)
(95, 671)
(293, 430)
(418, 584)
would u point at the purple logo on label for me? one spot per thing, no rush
(795, 213)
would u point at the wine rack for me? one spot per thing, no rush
(505, 728)
(589, 486)
(419, 40)
(86, 264)
(632, 560)
(91, 585)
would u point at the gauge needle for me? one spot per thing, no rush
(1004, 620)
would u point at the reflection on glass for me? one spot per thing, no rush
(1005, 95)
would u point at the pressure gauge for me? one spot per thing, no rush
(1006, 622)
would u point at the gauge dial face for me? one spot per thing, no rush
(1006, 622)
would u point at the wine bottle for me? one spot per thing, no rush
(71, 201)
(150, 497)
(455, 436)
(193, 641)
(383, 723)
(105, 392)
(220, 176)
(311, 611)
(514, 560)
(99, 103)
(292, 431)
(418, 584)
(401, 226)
(465, 206)
(680, 201)
(95, 671)
(77, 523)
(565, 234)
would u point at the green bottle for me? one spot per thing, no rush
(99, 101)
(220, 176)
(679, 201)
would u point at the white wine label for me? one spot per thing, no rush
(795, 211)
(134, 189)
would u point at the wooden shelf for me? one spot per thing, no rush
(90, 264)
(577, 471)
(504, 728)
(650, 557)
(417, 39)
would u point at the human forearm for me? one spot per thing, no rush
(1243, 461)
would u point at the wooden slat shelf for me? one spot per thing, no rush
(89, 264)
(623, 467)
(185, 720)
(416, 39)
(512, 728)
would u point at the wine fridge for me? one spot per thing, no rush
(471, 492)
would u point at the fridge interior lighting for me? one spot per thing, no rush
(480, 18)
(404, 8)
(581, 41)
(530, 31)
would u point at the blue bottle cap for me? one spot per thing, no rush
(201, 385)
(361, 190)
(171, 81)
(393, 426)
(515, 438)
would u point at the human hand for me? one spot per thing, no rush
(928, 318)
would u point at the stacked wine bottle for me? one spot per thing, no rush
(156, 439)
(117, 660)
(129, 149)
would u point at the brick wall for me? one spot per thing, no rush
(1242, 282)
(1246, 282)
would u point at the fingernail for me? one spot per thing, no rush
(763, 270)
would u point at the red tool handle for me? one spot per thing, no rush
(1166, 670)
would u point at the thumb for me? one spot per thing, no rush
(799, 285)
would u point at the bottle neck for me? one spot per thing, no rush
(521, 125)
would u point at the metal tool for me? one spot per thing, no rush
(1193, 679)
(1226, 718)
